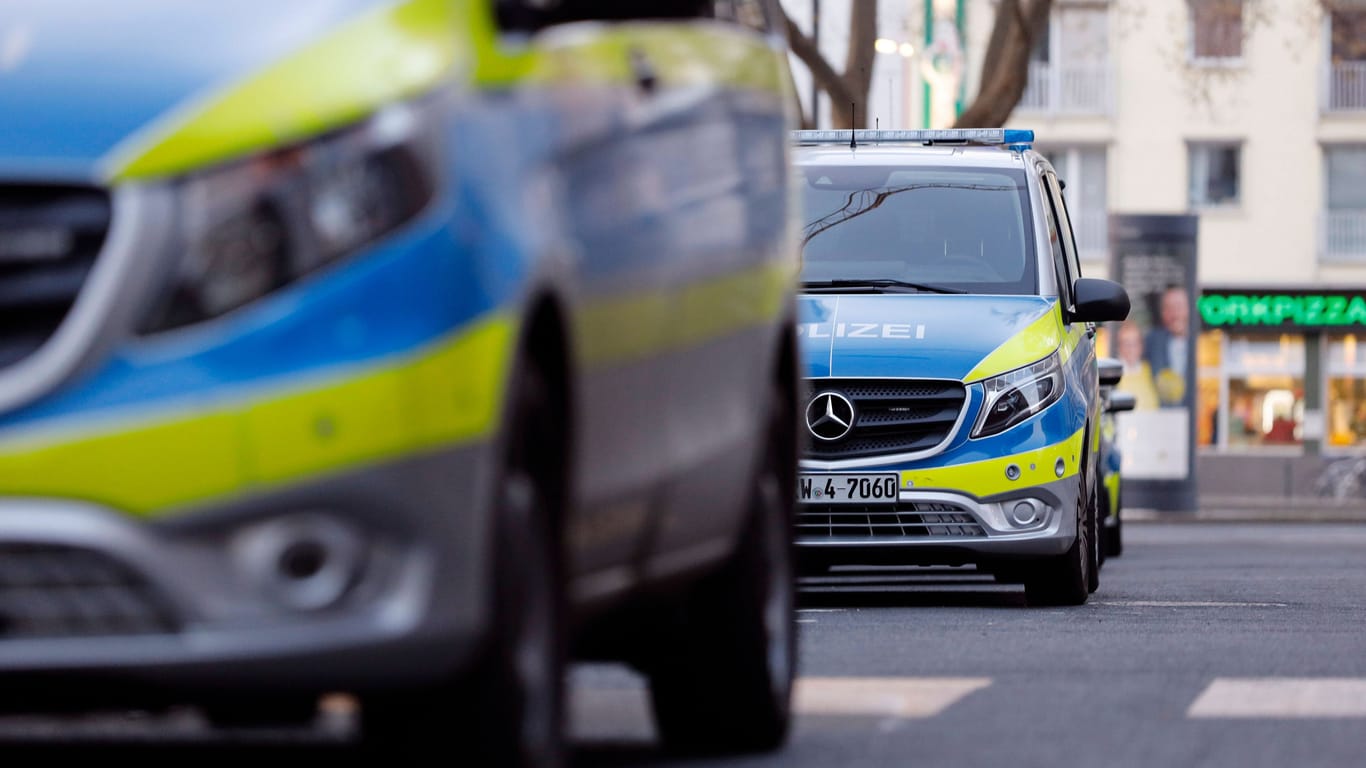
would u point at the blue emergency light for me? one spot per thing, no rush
(1014, 138)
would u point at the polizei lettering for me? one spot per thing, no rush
(861, 330)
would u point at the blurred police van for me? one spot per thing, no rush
(400, 348)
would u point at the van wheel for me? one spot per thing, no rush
(510, 707)
(723, 681)
(1093, 538)
(1114, 538)
(1066, 579)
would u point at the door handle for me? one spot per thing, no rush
(643, 71)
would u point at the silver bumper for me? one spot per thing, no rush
(932, 527)
(190, 602)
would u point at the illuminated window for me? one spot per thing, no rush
(1265, 391)
(1346, 412)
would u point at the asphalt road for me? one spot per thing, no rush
(1207, 645)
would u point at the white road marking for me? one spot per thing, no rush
(895, 697)
(1285, 697)
(1188, 604)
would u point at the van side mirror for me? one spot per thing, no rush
(1099, 301)
(1120, 401)
(1111, 371)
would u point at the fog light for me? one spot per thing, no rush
(1012, 472)
(1024, 513)
(305, 562)
(1060, 467)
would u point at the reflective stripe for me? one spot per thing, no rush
(988, 478)
(1112, 490)
(391, 53)
(1034, 343)
(642, 325)
(449, 393)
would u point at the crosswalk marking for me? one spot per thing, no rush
(1281, 698)
(1187, 604)
(897, 697)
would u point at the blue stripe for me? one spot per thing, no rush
(410, 290)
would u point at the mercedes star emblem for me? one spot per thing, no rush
(830, 416)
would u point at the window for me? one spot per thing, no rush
(1344, 221)
(961, 228)
(1264, 382)
(1069, 65)
(1346, 415)
(1347, 59)
(1209, 349)
(1216, 30)
(1215, 174)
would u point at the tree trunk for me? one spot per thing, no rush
(1005, 68)
(858, 65)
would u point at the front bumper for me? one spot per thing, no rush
(941, 527)
(412, 611)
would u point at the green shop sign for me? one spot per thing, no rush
(1297, 309)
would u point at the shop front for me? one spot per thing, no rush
(1280, 391)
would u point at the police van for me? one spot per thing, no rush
(952, 400)
(400, 348)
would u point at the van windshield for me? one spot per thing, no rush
(955, 229)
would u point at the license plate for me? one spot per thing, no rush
(833, 488)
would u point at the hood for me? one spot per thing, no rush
(924, 335)
(78, 78)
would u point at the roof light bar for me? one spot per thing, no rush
(991, 136)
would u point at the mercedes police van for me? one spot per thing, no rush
(398, 348)
(952, 400)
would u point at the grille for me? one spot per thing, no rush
(49, 238)
(890, 416)
(903, 520)
(56, 591)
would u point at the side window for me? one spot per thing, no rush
(1056, 241)
(531, 15)
(1069, 244)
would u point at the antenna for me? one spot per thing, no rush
(852, 141)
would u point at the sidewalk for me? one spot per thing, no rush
(1222, 508)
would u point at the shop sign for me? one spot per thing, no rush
(1282, 309)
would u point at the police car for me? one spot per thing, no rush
(377, 346)
(952, 400)
(1111, 523)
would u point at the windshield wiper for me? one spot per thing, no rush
(882, 283)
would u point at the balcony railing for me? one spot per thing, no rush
(1344, 236)
(1091, 228)
(1067, 90)
(1347, 86)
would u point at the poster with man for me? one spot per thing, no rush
(1154, 257)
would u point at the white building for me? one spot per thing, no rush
(1249, 113)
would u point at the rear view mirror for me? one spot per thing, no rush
(1111, 371)
(1120, 401)
(1099, 301)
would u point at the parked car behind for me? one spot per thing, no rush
(952, 396)
(399, 348)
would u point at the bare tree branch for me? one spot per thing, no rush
(826, 77)
(1005, 72)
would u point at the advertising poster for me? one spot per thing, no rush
(1154, 258)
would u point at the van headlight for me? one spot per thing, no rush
(247, 228)
(1015, 396)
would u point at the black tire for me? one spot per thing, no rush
(509, 710)
(1066, 579)
(1102, 515)
(1114, 538)
(722, 681)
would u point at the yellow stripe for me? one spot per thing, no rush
(679, 54)
(645, 324)
(988, 478)
(1112, 489)
(1038, 340)
(391, 53)
(450, 393)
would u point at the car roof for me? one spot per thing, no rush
(905, 154)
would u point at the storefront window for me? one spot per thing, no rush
(1346, 411)
(1265, 402)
